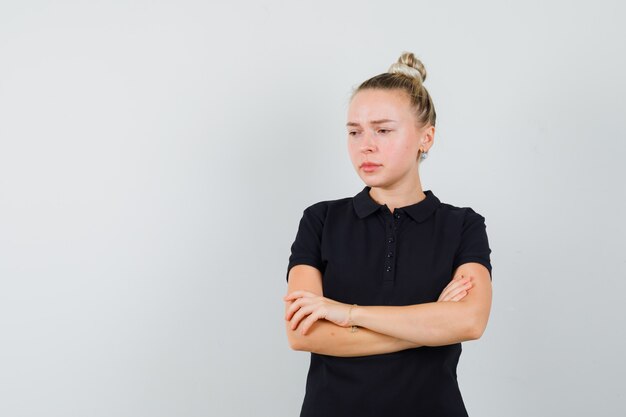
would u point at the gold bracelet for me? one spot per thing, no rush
(353, 327)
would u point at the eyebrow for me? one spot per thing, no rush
(373, 122)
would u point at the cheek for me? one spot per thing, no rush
(400, 152)
(352, 152)
(409, 150)
(401, 157)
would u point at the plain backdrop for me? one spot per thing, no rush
(156, 157)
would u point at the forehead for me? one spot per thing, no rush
(375, 104)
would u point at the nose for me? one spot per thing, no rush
(368, 143)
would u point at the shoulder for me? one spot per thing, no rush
(322, 209)
(460, 214)
(457, 220)
(470, 234)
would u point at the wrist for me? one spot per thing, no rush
(360, 316)
(351, 323)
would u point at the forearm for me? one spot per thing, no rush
(427, 324)
(328, 338)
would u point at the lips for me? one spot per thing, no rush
(369, 167)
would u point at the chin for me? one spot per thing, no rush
(373, 182)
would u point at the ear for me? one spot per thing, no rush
(427, 137)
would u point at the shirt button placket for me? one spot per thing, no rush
(389, 269)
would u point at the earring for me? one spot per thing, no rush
(424, 155)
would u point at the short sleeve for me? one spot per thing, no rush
(474, 245)
(306, 248)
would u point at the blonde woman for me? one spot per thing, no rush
(384, 286)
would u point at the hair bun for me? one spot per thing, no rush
(410, 66)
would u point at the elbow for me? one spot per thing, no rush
(476, 329)
(297, 342)
(475, 333)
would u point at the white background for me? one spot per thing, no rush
(156, 156)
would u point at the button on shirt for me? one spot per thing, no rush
(370, 256)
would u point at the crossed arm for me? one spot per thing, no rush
(321, 325)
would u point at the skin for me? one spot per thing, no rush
(458, 315)
(328, 338)
(394, 144)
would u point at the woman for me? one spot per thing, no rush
(384, 286)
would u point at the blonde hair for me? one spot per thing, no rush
(407, 74)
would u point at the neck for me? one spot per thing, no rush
(399, 194)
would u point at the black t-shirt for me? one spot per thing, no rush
(370, 256)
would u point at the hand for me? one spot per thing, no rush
(307, 307)
(457, 289)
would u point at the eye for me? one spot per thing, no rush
(384, 131)
(352, 133)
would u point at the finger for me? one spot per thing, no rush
(456, 283)
(288, 304)
(460, 296)
(293, 295)
(298, 294)
(459, 281)
(453, 288)
(296, 305)
(445, 294)
(308, 322)
(464, 290)
(300, 315)
(293, 307)
(459, 289)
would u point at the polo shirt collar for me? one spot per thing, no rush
(364, 205)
